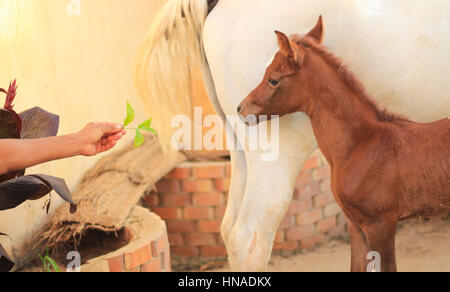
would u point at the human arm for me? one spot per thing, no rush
(95, 138)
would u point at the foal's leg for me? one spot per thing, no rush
(381, 238)
(359, 247)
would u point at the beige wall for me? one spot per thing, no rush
(79, 67)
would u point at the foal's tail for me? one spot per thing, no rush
(172, 50)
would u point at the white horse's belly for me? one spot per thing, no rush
(399, 49)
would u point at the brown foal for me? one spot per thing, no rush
(384, 167)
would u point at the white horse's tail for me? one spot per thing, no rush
(172, 50)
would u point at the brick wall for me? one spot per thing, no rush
(192, 201)
(153, 256)
(147, 250)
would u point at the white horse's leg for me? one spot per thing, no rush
(270, 186)
(236, 193)
(238, 162)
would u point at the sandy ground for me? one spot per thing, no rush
(421, 247)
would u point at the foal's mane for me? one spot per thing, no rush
(347, 77)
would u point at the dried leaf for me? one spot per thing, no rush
(38, 123)
(10, 125)
(10, 95)
(47, 205)
(10, 122)
(59, 186)
(11, 175)
(32, 187)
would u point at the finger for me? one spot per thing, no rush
(109, 128)
(108, 146)
(104, 141)
(115, 137)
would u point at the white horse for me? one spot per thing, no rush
(399, 49)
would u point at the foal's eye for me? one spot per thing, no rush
(274, 82)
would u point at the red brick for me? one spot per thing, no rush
(168, 186)
(213, 251)
(179, 173)
(168, 213)
(198, 213)
(180, 226)
(176, 200)
(299, 206)
(220, 212)
(138, 257)
(287, 222)
(287, 246)
(116, 264)
(212, 171)
(325, 186)
(210, 226)
(299, 233)
(332, 210)
(321, 173)
(220, 240)
(197, 186)
(312, 163)
(337, 231)
(327, 224)
(222, 185)
(151, 200)
(165, 260)
(187, 251)
(211, 199)
(176, 239)
(303, 179)
(279, 238)
(309, 217)
(159, 245)
(201, 239)
(152, 267)
(323, 200)
(307, 191)
(311, 242)
(127, 235)
(228, 170)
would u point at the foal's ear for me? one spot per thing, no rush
(294, 52)
(284, 44)
(317, 32)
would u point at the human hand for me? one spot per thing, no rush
(96, 138)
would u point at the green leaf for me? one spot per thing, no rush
(139, 139)
(48, 263)
(146, 126)
(130, 115)
(53, 263)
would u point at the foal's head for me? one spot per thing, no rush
(289, 80)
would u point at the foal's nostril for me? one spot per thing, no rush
(239, 109)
